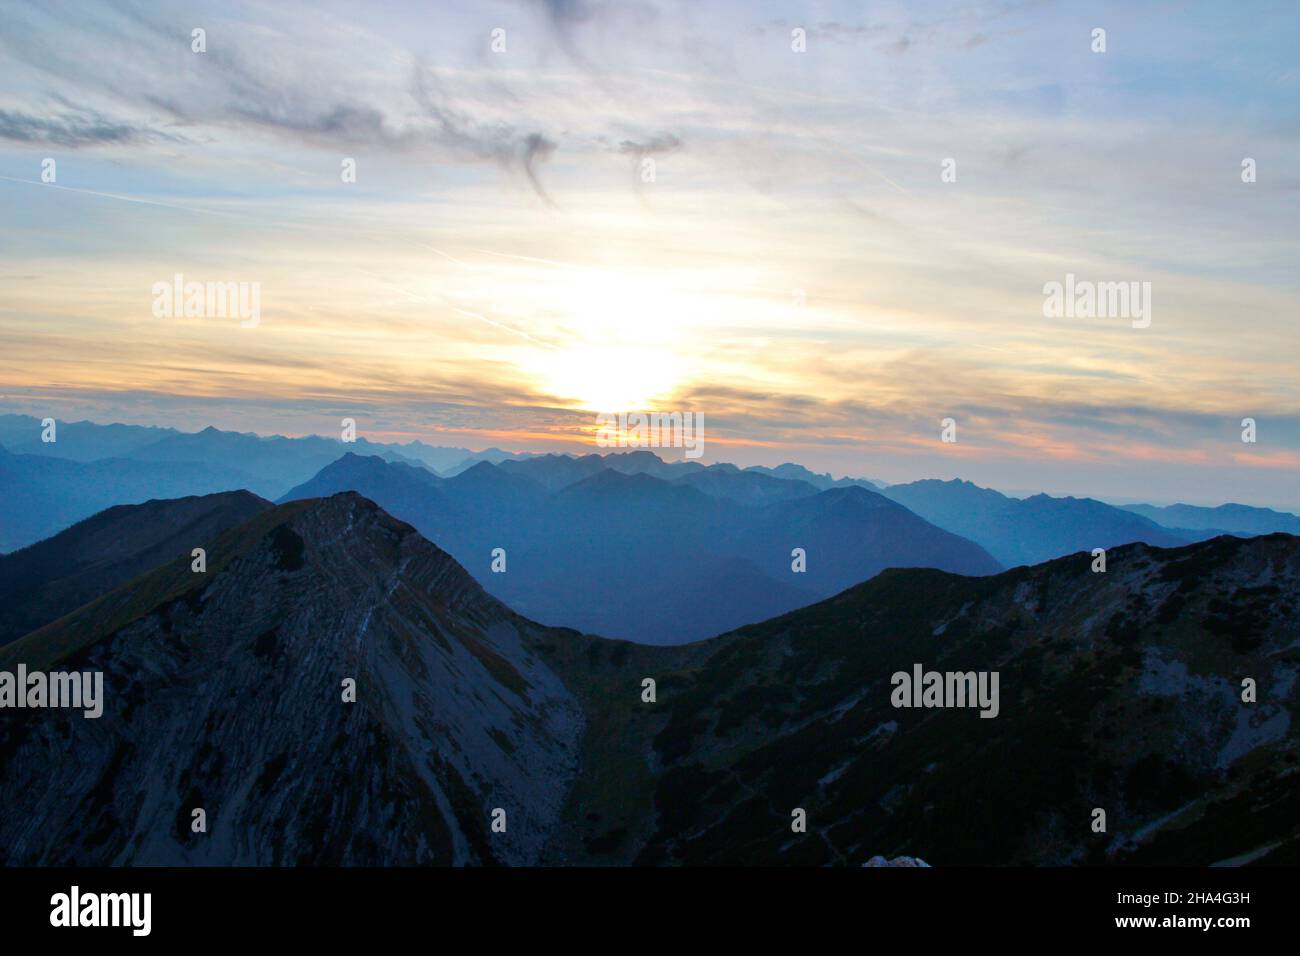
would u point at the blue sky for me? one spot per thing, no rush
(797, 269)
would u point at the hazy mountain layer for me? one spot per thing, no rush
(1237, 519)
(78, 441)
(1028, 530)
(44, 494)
(610, 551)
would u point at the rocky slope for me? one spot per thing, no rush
(1119, 691)
(47, 580)
(224, 692)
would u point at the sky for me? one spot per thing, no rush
(568, 207)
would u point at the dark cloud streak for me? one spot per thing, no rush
(72, 130)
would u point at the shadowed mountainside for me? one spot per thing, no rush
(225, 692)
(1119, 690)
(47, 580)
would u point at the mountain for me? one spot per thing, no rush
(274, 464)
(41, 583)
(849, 534)
(43, 494)
(406, 487)
(471, 513)
(793, 472)
(1229, 518)
(78, 441)
(1030, 530)
(224, 692)
(274, 460)
(437, 458)
(1120, 691)
(745, 487)
(554, 472)
(608, 552)
(493, 456)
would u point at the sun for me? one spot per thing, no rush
(609, 378)
(624, 332)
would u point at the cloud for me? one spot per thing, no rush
(72, 130)
(663, 143)
(500, 141)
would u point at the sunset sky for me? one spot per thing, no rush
(797, 271)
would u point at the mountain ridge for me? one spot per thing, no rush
(562, 545)
(464, 707)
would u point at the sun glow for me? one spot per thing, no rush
(628, 340)
(611, 378)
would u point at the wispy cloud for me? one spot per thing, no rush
(797, 269)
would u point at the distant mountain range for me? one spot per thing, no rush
(226, 692)
(129, 464)
(603, 545)
(623, 544)
(1230, 519)
(273, 460)
(1028, 530)
(42, 495)
(89, 467)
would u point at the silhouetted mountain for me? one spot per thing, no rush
(745, 487)
(47, 580)
(850, 534)
(493, 456)
(554, 472)
(437, 458)
(42, 495)
(276, 464)
(1029, 530)
(793, 472)
(225, 691)
(1229, 518)
(78, 441)
(643, 462)
(472, 512)
(656, 538)
(406, 487)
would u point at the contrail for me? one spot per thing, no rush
(507, 255)
(416, 297)
(135, 199)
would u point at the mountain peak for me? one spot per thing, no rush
(452, 708)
